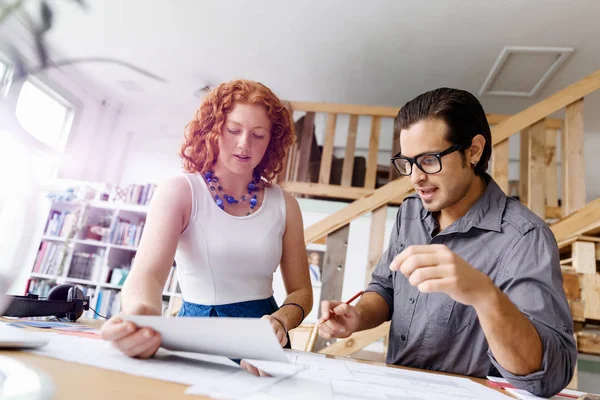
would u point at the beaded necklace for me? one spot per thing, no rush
(215, 186)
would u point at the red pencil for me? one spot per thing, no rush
(356, 296)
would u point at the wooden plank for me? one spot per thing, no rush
(371, 175)
(348, 167)
(551, 172)
(357, 208)
(581, 222)
(536, 179)
(590, 290)
(524, 166)
(577, 310)
(333, 272)
(317, 189)
(583, 238)
(566, 261)
(389, 112)
(574, 166)
(357, 341)
(550, 105)
(588, 342)
(376, 240)
(500, 165)
(572, 286)
(584, 257)
(553, 212)
(495, 119)
(304, 147)
(327, 154)
(381, 111)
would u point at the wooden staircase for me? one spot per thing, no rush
(577, 224)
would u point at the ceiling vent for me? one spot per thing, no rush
(523, 71)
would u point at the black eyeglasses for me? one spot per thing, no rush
(430, 163)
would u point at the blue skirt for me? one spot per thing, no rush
(245, 309)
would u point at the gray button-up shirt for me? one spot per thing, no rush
(517, 250)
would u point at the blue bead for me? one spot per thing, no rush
(252, 207)
(253, 202)
(208, 175)
(243, 198)
(251, 186)
(219, 202)
(236, 201)
(230, 200)
(216, 196)
(212, 188)
(254, 196)
(215, 179)
(256, 189)
(220, 188)
(222, 208)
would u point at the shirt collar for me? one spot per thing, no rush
(486, 213)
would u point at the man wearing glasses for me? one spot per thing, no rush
(471, 279)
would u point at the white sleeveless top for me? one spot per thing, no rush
(224, 259)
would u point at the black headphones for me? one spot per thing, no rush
(63, 301)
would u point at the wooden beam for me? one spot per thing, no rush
(354, 109)
(376, 240)
(304, 147)
(500, 165)
(581, 222)
(584, 257)
(389, 112)
(524, 166)
(371, 174)
(550, 105)
(536, 179)
(572, 286)
(573, 163)
(591, 296)
(348, 167)
(359, 207)
(495, 119)
(357, 341)
(333, 272)
(588, 342)
(563, 193)
(317, 189)
(327, 154)
(567, 242)
(551, 170)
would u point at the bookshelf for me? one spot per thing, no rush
(92, 244)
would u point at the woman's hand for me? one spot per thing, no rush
(279, 328)
(130, 339)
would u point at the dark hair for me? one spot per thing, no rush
(459, 109)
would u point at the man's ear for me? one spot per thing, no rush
(476, 150)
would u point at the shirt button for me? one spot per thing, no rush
(411, 300)
(402, 337)
(565, 328)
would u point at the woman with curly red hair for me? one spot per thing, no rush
(224, 222)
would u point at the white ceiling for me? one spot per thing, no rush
(380, 52)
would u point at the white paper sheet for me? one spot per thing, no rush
(318, 378)
(230, 337)
(178, 367)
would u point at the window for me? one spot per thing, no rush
(44, 114)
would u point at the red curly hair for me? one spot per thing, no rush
(200, 149)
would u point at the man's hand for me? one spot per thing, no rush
(435, 268)
(338, 320)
